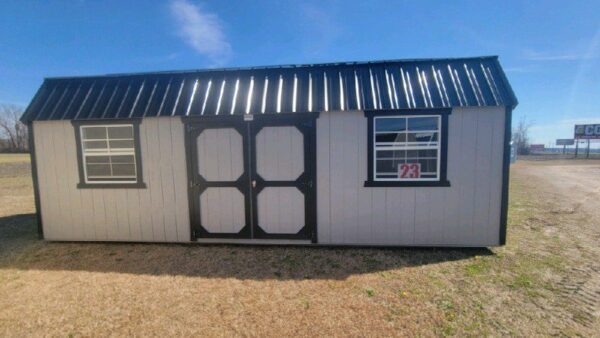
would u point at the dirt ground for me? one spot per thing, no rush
(545, 281)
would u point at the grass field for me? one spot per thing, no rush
(12, 158)
(545, 281)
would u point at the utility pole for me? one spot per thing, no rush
(587, 153)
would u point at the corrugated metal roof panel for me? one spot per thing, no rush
(379, 85)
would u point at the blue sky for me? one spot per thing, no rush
(549, 49)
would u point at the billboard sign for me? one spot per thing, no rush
(537, 147)
(587, 131)
(565, 142)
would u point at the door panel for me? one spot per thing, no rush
(282, 174)
(220, 200)
(253, 177)
(220, 154)
(281, 210)
(222, 210)
(279, 153)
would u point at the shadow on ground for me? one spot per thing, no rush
(20, 249)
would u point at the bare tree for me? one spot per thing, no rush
(13, 131)
(521, 135)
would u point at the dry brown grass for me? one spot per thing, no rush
(12, 158)
(524, 288)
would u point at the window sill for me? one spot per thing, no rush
(414, 184)
(140, 185)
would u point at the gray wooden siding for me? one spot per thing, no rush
(465, 214)
(158, 213)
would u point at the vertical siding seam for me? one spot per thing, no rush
(112, 220)
(118, 206)
(149, 189)
(445, 203)
(140, 215)
(371, 214)
(488, 182)
(140, 194)
(329, 175)
(414, 214)
(170, 140)
(91, 195)
(104, 211)
(77, 192)
(174, 183)
(126, 206)
(51, 178)
(128, 197)
(461, 190)
(473, 224)
(386, 213)
(358, 219)
(66, 172)
(160, 172)
(56, 179)
(491, 184)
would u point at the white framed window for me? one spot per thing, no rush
(407, 148)
(108, 154)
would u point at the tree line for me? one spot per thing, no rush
(13, 133)
(520, 136)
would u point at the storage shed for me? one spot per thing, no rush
(402, 152)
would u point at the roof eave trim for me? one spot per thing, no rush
(513, 98)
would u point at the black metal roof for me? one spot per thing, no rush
(381, 85)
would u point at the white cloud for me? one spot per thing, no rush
(582, 50)
(538, 56)
(521, 69)
(319, 29)
(202, 30)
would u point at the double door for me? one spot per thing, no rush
(252, 177)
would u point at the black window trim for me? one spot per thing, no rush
(139, 184)
(443, 180)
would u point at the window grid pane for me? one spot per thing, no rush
(109, 154)
(407, 148)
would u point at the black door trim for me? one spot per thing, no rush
(197, 183)
(306, 182)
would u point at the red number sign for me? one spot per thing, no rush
(410, 170)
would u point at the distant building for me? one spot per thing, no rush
(536, 148)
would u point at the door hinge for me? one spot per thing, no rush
(309, 184)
